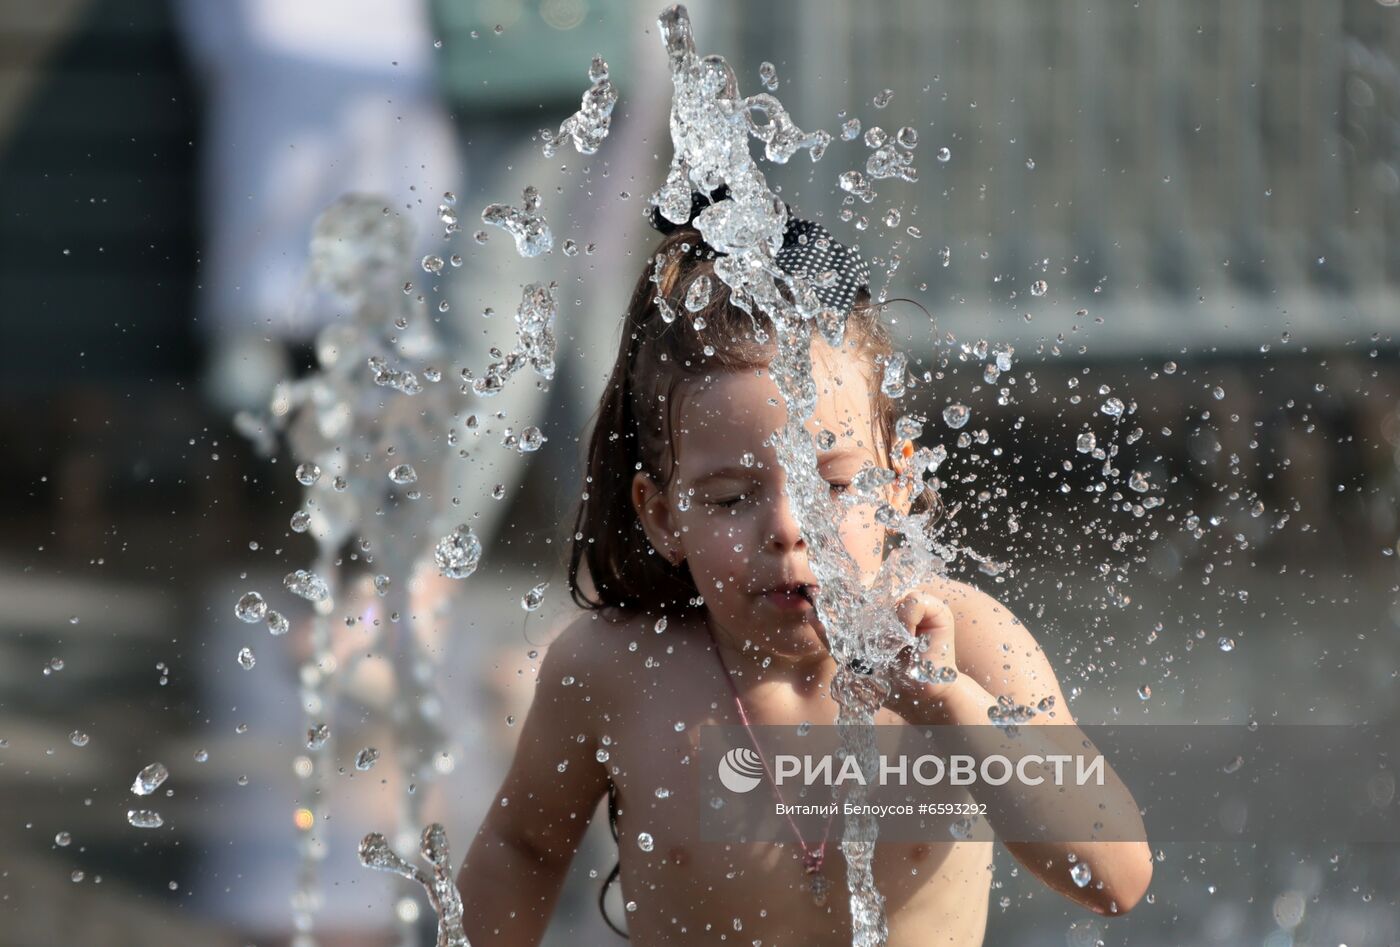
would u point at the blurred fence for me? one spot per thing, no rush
(1217, 169)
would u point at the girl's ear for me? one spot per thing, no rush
(656, 516)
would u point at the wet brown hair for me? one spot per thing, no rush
(633, 430)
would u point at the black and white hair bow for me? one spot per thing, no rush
(837, 272)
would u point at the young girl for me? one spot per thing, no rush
(698, 598)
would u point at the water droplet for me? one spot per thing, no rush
(908, 137)
(944, 155)
(1085, 442)
(144, 818)
(883, 98)
(307, 585)
(366, 758)
(660, 625)
(301, 521)
(459, 553)
(531, 440)
(277, 624)
(246, 659)
(768, 75)
(308, 474)
(534, 598)
(201, 755)
(1144, 692)
(850, 129)
(1226, 644)
(1039, 288)
(645, 841)
(956, 415)
(251, 608)
(1081, 874)
(78, 738)
(1218, 393)
(853, 182)
(63, 839)
(746, 459)
(403, 474)
(892, 382)
(149, 779)
(317, 736)
(697, 297)
(433, 264)
(1113, 407)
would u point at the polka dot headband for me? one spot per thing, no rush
(809, 250)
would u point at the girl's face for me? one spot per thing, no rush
(726, 513)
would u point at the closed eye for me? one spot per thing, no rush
(839, 488)
(730, 502)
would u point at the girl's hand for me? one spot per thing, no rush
(930, 620)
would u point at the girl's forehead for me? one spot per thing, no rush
(735, 412)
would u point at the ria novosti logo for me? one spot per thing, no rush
(740, 770)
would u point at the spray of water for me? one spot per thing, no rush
(710, 126)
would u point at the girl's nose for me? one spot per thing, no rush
(784, 532)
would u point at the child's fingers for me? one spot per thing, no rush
(922, 613)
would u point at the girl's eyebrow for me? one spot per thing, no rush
(737, 473)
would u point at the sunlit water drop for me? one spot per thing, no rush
(534, 598)
(307, 585)
(250, 608)
(957, 415)
(458, 554)
(144, 818)
(150, 779)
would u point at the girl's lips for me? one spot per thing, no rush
(787, 601)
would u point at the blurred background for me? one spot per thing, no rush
(1209, 193)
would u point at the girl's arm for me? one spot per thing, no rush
(516, 867)
(998, 657)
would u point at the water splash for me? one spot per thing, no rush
(525, 224)
(337, 424)
(710, 124)
(442, 891)
(587, 127)
(534, 345)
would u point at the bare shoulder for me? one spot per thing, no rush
(587, 650)
(609, 654)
